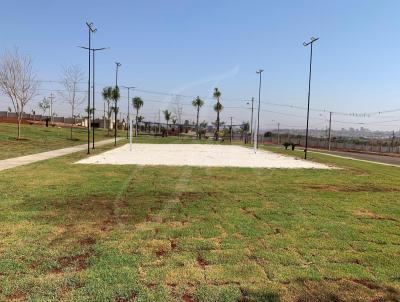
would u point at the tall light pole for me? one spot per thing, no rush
(93, 86)
(312, 40)
(259, 104)
(128, 116)
(117, 65)
(251, 122)
(91, 30)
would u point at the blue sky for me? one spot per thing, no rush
(187, 47)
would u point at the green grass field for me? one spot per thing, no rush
(38, 138)
(134, 233)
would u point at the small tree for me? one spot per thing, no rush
(18, 82)
(70, 79)
(44, 105)
(137, 104)
(167, 116)
(198, 103)
(218, 108)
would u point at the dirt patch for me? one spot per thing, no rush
(201, 262)
(87, 241)
(187, 298)
(160, 253)
(17, 296)
(173, 245)
(79, 262)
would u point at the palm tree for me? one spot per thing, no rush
(167, 116)
(115, 95)
(137, 104)
(218, 108)
(107, 94)
(198, 103)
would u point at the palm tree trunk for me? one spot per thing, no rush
(217, 134)
(136, 130)
(197, 122)
(108, 118)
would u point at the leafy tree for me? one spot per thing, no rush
(218, 108)
(137, 104)
(198, 103)
(44, 105)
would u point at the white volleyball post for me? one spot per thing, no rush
(130, 135)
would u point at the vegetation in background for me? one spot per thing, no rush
(137, 104)
(218, 108)
(197, 103)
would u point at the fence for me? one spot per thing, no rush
(39, 117)
(344, 146)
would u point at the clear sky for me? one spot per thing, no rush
(188, 47)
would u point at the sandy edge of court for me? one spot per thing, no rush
(202, 155)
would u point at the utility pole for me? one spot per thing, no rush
(117, 65)
(230, 139)
(51, 97)
(309, 90)
(251, 120)
(128, 116)
(393, 138)
(159, 120)
(91, 30)
(93, 86)
(330, 129)
(259, 104)
(278, 134)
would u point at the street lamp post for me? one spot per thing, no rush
(258, 114)
(312, 40)
(91, 30)
(251, 121)
(117, 65)
(93, 86)
(128, 116)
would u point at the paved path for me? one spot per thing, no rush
(28, 159)
(367, 157)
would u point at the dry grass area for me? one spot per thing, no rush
(139, 233)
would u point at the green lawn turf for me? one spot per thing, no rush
(134, 233)
(38, 138)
